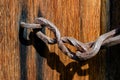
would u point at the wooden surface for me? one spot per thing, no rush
(34, 60)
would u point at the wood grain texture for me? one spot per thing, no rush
(9, 44)
(33, 59)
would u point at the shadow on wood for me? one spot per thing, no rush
(53, 61)
(66, 72)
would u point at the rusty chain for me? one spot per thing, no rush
(84, 50)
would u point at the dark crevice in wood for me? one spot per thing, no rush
(113, 53)
(23, 48)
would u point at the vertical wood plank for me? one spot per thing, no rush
(29, 11)
(9, 44)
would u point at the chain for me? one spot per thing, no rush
(84, 50)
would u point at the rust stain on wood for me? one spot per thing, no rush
(78, 19)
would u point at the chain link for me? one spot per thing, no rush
(84, 50)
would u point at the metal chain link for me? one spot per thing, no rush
(84, 50)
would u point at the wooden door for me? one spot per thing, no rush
(84, 20)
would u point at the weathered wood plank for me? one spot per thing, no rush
(78, 19)
(9, 44)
